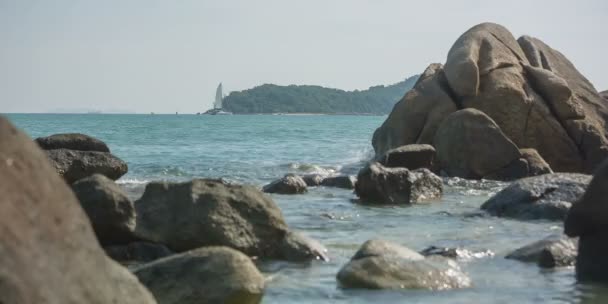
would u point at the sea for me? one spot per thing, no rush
(256, 149)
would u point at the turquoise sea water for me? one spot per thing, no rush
(259, 148)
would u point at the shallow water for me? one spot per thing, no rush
(259, 148)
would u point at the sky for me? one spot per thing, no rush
(169, 56)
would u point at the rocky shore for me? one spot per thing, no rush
(500, 108)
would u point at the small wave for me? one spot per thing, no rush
(311, 168)
(132, 181)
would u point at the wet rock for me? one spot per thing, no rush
(73, 165)
(410, 156)
(313, 180)
(205, 275)
(137, 252)
(298, 247)
(516, 169)
(382, 265)
(546, 196)
(470, 145)
(72, 141)
(553, 251)
(208, 212)
(536, 164)
(289, 184)
(455, 253)
(342, 181)
(381, 185)
(108, 207)
(49, 253)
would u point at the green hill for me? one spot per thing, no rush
(270, 98)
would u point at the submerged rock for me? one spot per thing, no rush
(110, 210)
(72, 141)
(342, 181)
(546, 196)
(553, 251)
(73, 165)
(207, 212)
(289, 184)
(137, 252)
(383, 265)
(49, 253)
(455, 253)
(410, 156)
(205, 275)
(381, 185)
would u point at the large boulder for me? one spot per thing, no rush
(470, 145)
(205, 275)
(207, 212)
(588, 219)
(73, 165)
(548, 196)
(48, 251)
(416, 117)
(412, 157)
(552, 251)
(110, 210)
(72, 141)
(288, 184)
(384, 265)
(381, 185)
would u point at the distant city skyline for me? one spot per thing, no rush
(169, 56)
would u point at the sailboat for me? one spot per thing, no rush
(217, 104)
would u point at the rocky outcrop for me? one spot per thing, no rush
(205, 275)
(470, 145)
(533, 93)
(412, 157)
(384, 265)
(207, 212)
(381, 185)
(588, 220)
(289, 184)
(137, 252)
(48, 251)
(108, 207)
(548, 196)
(550, 252)
(73, 165)
(72, 141)
(341, 181)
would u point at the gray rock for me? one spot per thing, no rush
(207, 212)
(342, 181)
(108, 207)
(137, 252)
(604, 95)
(381, 185)
(455, 253)
(289, 184)
(298, 247)
(48, 251)
(73, 165)
(546, 196)
(399, 268)
(205, 275)
(412, 157)
(313, 180)
(72, 141)
(550, 252)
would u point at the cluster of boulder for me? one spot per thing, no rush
(296, 184)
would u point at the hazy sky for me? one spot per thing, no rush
(167, 56)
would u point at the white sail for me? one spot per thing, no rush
(218, 97)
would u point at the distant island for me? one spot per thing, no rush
(270, 98)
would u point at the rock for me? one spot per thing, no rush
(298, 248)
(553, 251)
(137, 252)
(207, 212)
(604, 94)
(470, 145)
(108, 207)
(416, 117)
(73, 165)
(588, 219)
(546, 196)
(205, 275)
(313, 180)
(516, 169)
(455, 253)
(48, 251)
(536, 164)
(342, 181)
(289, 184)
(398, 268)
(72, 141)
(381, 185)
(410, 156)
